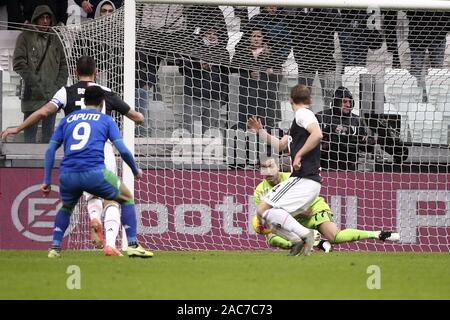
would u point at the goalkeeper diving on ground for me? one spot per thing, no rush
(319, 217)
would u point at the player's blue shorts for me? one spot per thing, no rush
(100, 182)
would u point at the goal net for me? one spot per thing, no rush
(201, 71)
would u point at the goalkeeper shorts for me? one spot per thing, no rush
(316, 220)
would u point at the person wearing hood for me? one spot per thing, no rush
(91, 6)
(103, 8)
(39, 59)
(205, 79)
(345, 133)
(58, 7)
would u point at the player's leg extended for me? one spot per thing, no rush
(331, 232)
(62, 221)
(95, 208)
(111, 208)
(111, 188)
(292, 196)
(129, 221)
(70, 193)
(112, 227)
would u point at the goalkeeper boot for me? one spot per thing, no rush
(135, 250)
(97, 233)
(325, 246)
(112, 252)
(54, 252)
(389, 236)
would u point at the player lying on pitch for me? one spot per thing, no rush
(319, 217)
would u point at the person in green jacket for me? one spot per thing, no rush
(39, 59)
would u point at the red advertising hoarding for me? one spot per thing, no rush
(186, 209)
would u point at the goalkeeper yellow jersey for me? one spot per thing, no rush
(264, 187)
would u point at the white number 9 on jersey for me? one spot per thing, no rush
(82, 138)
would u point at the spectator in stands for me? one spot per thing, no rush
(199, 18)
(275, 22)
(90, 6)
(104, 8)
(345, 133)
(259, 77)
(427, 30)
(21, 11)
(242, 13)
(313, 46)
(206, 79)
(109, 68)
(58, 7)
(158, 22)
(359, 32)
(39, 59)
(390, 18)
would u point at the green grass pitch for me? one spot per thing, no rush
(225, 275)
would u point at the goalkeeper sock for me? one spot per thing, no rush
(112, 224)
(62, 221)
(95, 208)
(349, 235)
(279, 242)
(129, 221)
(283, 219)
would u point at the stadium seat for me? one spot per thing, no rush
(160, 119)
(400, 88)
(437, 84)
(427, 124)
(405, 131)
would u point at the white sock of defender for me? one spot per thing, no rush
(112, 224)
(282, 218)
(95, 208)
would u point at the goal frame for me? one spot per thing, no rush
(130, 38)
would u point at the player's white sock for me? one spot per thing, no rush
(281, 218)
(95, 208)
(112, 224)
(288, 235)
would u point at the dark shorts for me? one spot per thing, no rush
(101, 183)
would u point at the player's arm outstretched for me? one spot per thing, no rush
(115, 103)
(41, 113)
(279, 144)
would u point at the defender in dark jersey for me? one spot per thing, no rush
(295, 195)
(84, 133)
(71, 99)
